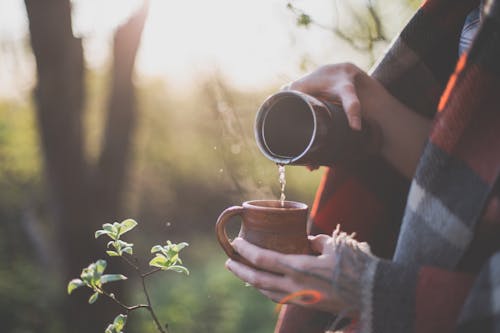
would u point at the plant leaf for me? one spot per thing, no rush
(128, 250)
(107, 227)
(179, 269)
(99, 233)
(86, 275)
(112, 254)
(112, 277)
(119, 322)
(127, 225)
(100, 266)
(125, 244)
(180, 246)
(304, 20)
(93, 298)
(156, 248)
(159, 261)
(74, 284)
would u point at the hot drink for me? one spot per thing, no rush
(282, 179)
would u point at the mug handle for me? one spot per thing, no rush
(220, 228)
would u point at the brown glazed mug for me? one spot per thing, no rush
(267, 224)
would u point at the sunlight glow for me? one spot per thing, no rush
(247, 41)
(250, 43)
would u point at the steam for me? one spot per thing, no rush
(238, 151)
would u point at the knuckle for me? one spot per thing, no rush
(347, 87)
(346, 67)
(353, 107)
(350, 68)
(252, 279)
(257, 281)
(259, 260)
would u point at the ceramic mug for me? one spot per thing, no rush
(269, 225)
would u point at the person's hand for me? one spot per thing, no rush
(329, 282)
(335, 83)
(403, 131)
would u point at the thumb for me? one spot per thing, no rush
(319, 242)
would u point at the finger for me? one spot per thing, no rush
(320, 242)
(312, 167)
(275, 296)
(291, 265)
(308, 84)
(258, 279)
(336, 231)
(262, 258)
(351, 105)
(365, 247)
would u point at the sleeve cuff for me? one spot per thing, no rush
(388, 298)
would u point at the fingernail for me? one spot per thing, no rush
(236, 241)
(312, 167)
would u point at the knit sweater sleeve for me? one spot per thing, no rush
(400, 298)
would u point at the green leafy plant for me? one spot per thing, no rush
(166, 259)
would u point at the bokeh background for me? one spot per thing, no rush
(114, 109)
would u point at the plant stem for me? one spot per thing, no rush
(127, 260)
(150, 308)
(124, 306)
(150, 272)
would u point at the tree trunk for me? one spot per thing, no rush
(84, 196)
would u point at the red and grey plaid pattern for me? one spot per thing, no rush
(436, 222)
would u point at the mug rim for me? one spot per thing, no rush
(254, 204)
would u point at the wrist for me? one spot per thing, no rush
(353, 273)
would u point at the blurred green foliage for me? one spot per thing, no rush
(194, 155)
(19, 153)
(209, 300)
(27, 300)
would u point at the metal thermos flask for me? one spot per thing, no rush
(295, 128)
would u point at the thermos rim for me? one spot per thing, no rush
(260, 119)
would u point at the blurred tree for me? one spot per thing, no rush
(84, 194)
(367, 26)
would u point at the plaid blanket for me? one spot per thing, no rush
(439, 233)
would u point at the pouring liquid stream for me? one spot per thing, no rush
(282, 179)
